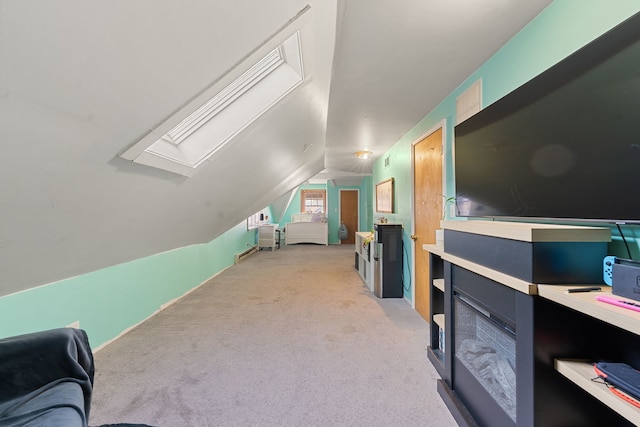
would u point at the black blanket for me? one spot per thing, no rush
(46, 379)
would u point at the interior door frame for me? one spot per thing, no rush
(357, 190)
(442, 124)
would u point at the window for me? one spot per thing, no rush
(185, 141)
(313, 201)
(254, 220)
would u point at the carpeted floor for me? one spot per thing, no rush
(285, 338)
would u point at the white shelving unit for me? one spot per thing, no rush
(267, 236)
(364, 258)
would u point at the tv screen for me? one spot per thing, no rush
(565, 145)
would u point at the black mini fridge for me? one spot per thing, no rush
(387, 261)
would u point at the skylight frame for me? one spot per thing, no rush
(190, 138)
(226, 96)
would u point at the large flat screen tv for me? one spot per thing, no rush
(565, 145)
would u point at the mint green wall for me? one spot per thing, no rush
(108, 301)
(562, 28)
(333, 215)
(366, 203)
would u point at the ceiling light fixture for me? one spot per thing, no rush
(363, 155)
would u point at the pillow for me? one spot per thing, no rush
(319, 217)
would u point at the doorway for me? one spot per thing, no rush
(427, 209)
(349, 214)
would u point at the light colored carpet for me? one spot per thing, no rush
(285, 338)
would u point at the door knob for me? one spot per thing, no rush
(414, 237)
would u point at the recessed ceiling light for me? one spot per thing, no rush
(363, 155)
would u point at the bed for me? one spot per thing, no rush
(307, 228)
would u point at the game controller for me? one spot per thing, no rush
(607, 269)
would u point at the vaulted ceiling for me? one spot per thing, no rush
(80, 82)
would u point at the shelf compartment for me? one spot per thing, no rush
(581, 373)
(439, 284)
(585, 302)
(438, 319)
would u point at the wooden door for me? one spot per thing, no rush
(349, 213)
(427, 185)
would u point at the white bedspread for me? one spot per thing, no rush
(303, 230)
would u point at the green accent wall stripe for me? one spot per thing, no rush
(107, 302)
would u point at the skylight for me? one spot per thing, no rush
(224, 110)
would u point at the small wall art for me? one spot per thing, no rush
(384, 196)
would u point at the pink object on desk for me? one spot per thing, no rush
(619, 302)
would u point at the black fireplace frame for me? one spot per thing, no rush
(544, 331)
(511, 307)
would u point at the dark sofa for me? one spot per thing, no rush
(46, 379)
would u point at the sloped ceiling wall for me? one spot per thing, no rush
(80, 81)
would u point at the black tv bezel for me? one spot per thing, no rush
(586, 57)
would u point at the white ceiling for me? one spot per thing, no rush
(396, 61)
(81, 81)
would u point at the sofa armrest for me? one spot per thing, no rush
(34, 363)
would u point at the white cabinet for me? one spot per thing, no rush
(364, 258)
(267, 236)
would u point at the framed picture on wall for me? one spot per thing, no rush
(384, 196)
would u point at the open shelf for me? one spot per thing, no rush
(435, 352)
(581, 373)
(439, 352)
(363, 261)
(585, 302)
(438, 319)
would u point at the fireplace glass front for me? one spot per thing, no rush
(487, 348)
